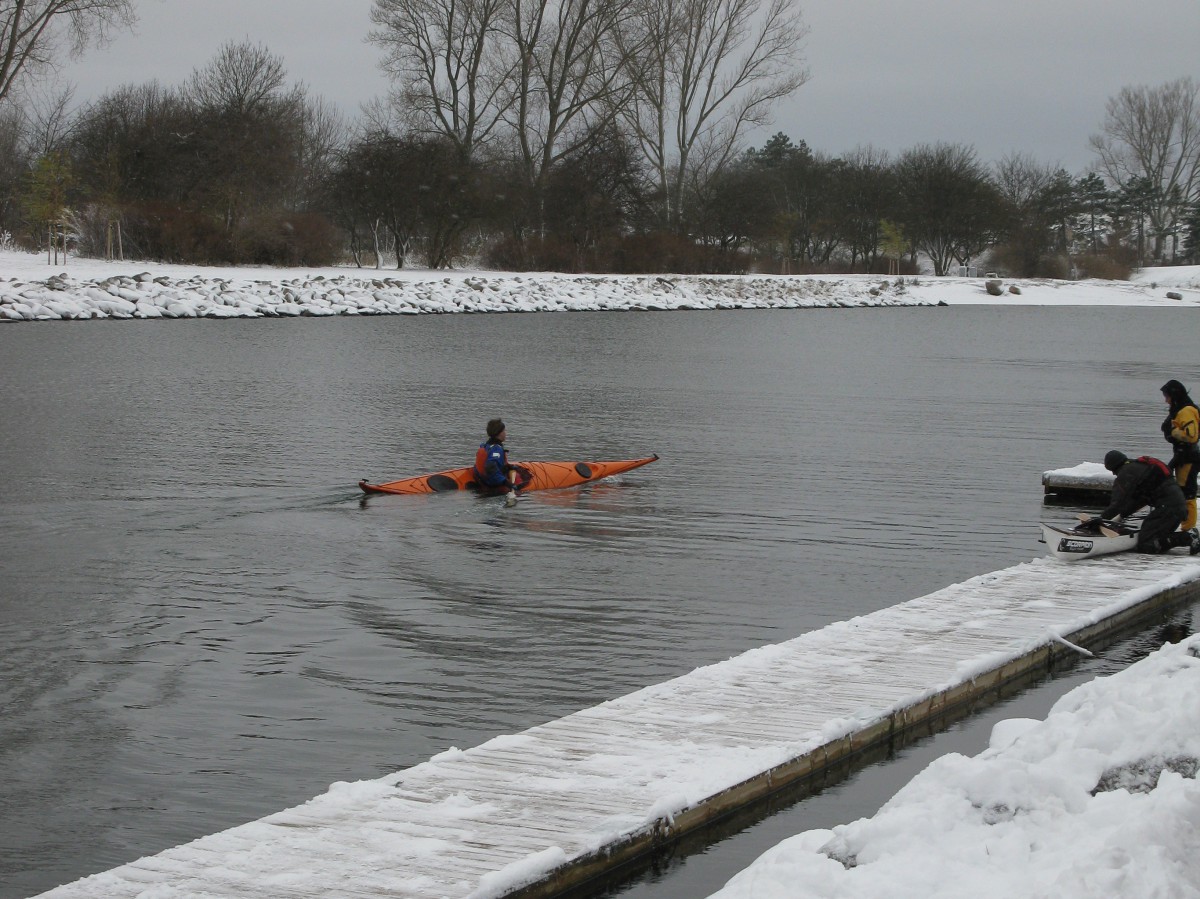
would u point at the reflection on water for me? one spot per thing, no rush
(201, 622)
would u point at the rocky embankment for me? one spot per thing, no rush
(62, 297)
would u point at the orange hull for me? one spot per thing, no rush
(542, 476)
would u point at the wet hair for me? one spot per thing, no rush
(495, 426)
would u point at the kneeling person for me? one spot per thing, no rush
(1147, 481)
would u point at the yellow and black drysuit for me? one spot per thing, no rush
(1181, 428)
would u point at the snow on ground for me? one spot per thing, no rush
(1100, 799)
(1171, 276)
(31, 289)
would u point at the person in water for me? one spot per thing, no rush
(493, 473)
(1147, 481)
(1181, 428)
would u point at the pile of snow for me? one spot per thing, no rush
(1100, 799)
(90, 289)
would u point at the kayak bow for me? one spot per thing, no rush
(1079, 543)
(543, 476)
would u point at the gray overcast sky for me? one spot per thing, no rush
(1028, 76)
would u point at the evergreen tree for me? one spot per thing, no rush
(1191, 234)
(1092, 202)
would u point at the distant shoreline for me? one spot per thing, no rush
(61, 298)
(91, 289)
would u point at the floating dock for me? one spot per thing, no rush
(1088, 483)
(537, 813)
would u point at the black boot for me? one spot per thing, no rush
(1183, 538)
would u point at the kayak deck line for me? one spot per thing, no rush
(540, 812)
(540, 476)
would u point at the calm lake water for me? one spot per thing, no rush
(202, 621)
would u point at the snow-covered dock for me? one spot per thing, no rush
(538, 812)
(1087, 482)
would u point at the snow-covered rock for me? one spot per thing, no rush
(99, 289)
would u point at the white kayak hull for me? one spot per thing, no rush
(1070, 544)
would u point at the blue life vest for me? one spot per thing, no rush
(491, 464)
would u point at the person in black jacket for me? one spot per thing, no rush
(1147, 481)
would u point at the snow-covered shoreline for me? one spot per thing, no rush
(147, 296)
(95, 289)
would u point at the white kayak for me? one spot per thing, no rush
(1076, 543)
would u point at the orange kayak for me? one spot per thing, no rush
(535, 476)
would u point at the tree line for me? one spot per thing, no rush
(577, 135)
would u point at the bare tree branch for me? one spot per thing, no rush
(443, 55)
(32, 32)
(566, 77)
(705, 71)
(1153, 133)
(241, 79)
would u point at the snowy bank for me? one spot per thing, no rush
(147, 296)
(1100, 799)
(1174, 276)
(95, 289)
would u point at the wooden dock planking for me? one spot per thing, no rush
(451, 826)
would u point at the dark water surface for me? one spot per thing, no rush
(201, 622)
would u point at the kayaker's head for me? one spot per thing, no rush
(1114, 459)
(495, 430)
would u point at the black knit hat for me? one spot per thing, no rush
(1114, 459)
(495, 426)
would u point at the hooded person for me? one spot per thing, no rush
(1147, 481)
(1181, 428)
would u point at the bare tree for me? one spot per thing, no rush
(241, 79)
(867, 188)
(33, 32)
(50, 118)
(948, 205)
(444, 58)
(1153, 133)
(566, 78)
(247, 130)
(1039, 203)
(322, 138)
(14, 163)
(705, 71)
